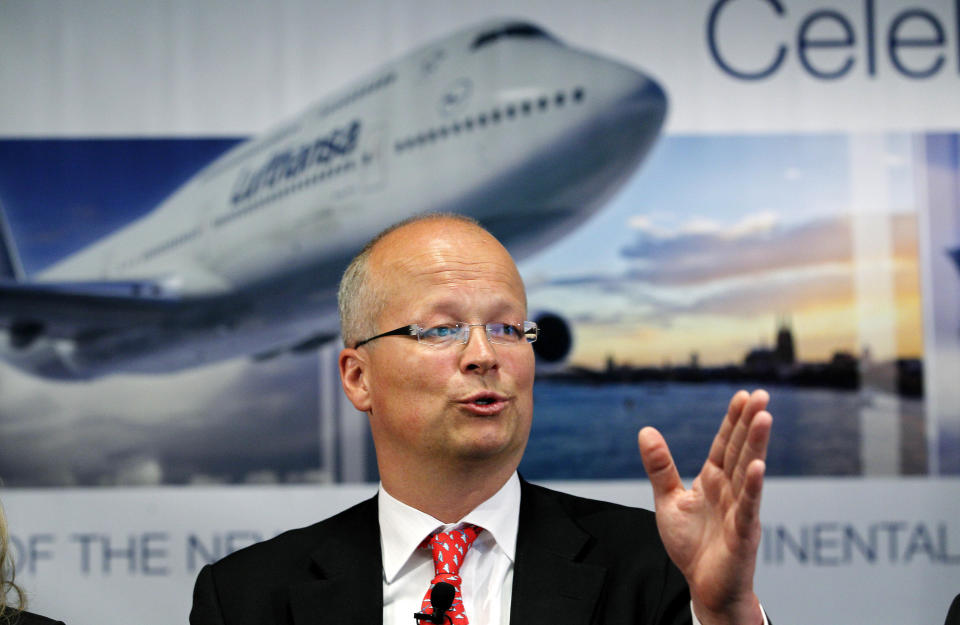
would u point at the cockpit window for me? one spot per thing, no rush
(517, 29)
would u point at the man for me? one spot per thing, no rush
(432, 314)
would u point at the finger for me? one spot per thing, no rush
(720, 441)
(658, 463)
(756, 402)
(739, 433)
(755, 436)
(755, 447)
(747, 518)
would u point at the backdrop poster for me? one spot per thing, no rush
(795, 225)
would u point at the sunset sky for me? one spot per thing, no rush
(719, 237)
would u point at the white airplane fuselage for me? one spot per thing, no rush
(521, 132)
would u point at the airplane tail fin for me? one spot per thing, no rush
(10, 267)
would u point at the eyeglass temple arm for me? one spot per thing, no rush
(410, 330)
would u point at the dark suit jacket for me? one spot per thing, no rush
(578, 561)
(28, 618)
(953, 615)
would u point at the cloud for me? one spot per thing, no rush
(779, 293)
(646, 226)
(221, 423)
(757, 224)
(699, 225)
(756, 245)
(263, 476)
(136, 471)
(755, 267)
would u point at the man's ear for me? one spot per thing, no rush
(353, 377)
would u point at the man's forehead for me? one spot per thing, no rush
(446, 247)
(445, 255)
(453, 267)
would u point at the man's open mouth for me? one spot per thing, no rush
(485, 403)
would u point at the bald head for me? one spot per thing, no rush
(409, 250)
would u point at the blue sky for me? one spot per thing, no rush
(62, 194)
(721, 178)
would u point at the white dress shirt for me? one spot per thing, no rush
(487, 569)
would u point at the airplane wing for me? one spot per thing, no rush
(73, 310)
(78, 309)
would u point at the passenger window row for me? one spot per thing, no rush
(483, 120)
(166, 246)
(171, 243)
(356, 94)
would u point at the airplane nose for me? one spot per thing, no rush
(635, 107)
(651, 94)
(608, 117)
(637, 97)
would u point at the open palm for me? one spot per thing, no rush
(712, 531)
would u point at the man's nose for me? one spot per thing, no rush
(479, 353)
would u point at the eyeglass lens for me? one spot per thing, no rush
(501, 333)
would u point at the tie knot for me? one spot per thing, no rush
(450, 547)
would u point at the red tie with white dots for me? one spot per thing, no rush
(449, 549)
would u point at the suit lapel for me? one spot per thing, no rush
(350, 570)
(550, 584)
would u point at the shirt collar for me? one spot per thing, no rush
(403, 528)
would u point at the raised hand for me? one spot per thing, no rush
(712, 531)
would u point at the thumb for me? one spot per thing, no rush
(658, 462)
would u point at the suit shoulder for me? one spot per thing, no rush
(253, 585)
(584, 508)
(614, 527)
(290, 550)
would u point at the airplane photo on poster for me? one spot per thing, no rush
(244, 258)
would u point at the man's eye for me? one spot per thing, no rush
(440, 332)
(505, 330)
